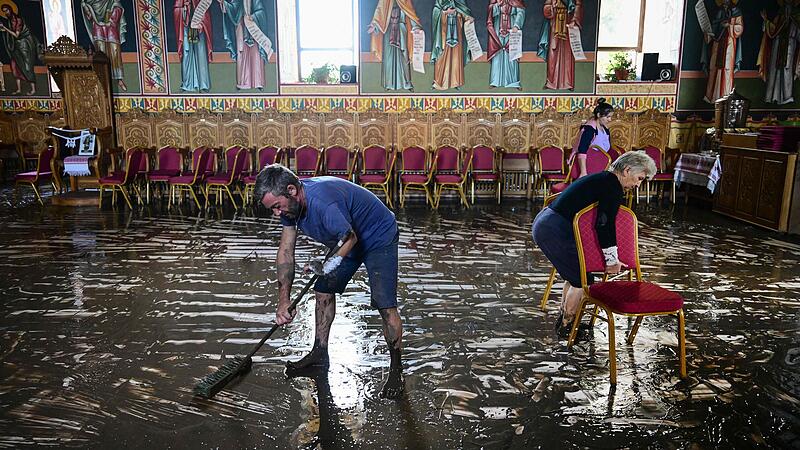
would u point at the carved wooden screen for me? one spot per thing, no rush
(203, 129)
(374, 128)
(574, 122)
(271, 128)
(170, 129)
(652, 128)
(340, 129)
(447, 129)
(305, 129)
(412, 129)
(237, 129)
(621, 128)
(135, 129)
(515, 131)
(31, 130)
(481, 128)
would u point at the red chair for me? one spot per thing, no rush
(661, 176)
(551, 166)
(307, 161)
(376, 170)
(265, 156)
(485, 169)
(236, 158)
(415, 173)
(188, 181)
(448, 173)
(43, 173)
(596, 161)
(121, 179)
(636, 298)
(338, 162)
(169, 163)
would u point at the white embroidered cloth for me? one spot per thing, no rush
(76, 166)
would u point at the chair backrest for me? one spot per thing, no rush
(446, 159)
(231, 153)
(307, 160)
(169, 158)
(590, 255)
(375, 159)
(613, 153)
(268, 155)
(466, 163)
(337, 159)
(204, 161)
(551, 159)
(483, 159)
(596, 160)
(415, 159)
(236, 158)
(44, 161)
(657, 155)
(196, 154)
(133, 163)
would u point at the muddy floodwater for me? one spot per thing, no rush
(109, 318)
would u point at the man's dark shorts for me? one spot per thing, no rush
(382, 269)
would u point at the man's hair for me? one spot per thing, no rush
(638, 161)
(274, 179)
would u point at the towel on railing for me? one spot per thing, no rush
(76, 166)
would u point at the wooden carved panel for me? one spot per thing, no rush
(374, 128)
(203, 129)
(86, 100)
(726, 199)
(31, 129)
(134, 129)
(305, 129)
(481, 127)
(447, 126)
(652, 128)
(6, 128)
(271, 128)
(749, 180)
(771, 192)
(548, 129)
(515, 131)
(574, 123)
(412, 130)
(237, 129)
(622, 127)
(170, 129)
(340, 129)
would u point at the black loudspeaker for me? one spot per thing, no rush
(650, 67)
(347, 74)
(666, 72)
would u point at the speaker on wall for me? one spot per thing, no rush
(666, 72)
(650, 67)
(347, 74)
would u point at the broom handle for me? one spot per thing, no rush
(299, 296)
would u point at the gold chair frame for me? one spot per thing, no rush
(385, 185)
(414, 185)
(35, 181)
(438, 187)
(218, 187)
(179, 188)
(495, 170)
(128, 156)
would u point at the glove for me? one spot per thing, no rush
(327, 267)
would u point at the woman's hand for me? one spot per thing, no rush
(616, 268)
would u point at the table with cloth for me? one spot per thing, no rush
(698, 169)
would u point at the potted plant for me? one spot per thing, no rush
(620, 67)
(325, 74)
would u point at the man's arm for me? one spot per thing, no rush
(285, 263)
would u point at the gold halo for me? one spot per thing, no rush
(10, 4)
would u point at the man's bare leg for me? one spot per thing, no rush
(393, 332)
(325, 312)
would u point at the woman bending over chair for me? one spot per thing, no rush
(593, 133)
(552, 228)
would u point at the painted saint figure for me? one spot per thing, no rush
(21, 46)
(777, 58)
(392, 41)
(251, 51)
(503, 17)
(194, 46)
(554, 44)
(105, 23)
(723, 54)
(449, 52)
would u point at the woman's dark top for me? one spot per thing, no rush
(603, 188)
(587, 136)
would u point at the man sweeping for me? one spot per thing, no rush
(327, 209)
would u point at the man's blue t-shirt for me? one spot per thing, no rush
(335, 206)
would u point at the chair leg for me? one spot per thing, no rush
(472, 185)
(437, 195)
(428, 195)
(594, 316)
(100, 205)
(463, 196)
(194, 197)
(235, 206)
(634, 330)
(612, 353)
(547, 289)
(673, 192)
(126, 197)
(498, 190)
(402, 195)
(573, 333)
(36, 191)
(205, 190)
(682, 342)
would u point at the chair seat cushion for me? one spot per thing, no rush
(665, 176)
(222, 178)
(162, 174)
(485, 176)
(553, 176)
(182, 179)
(558, 187)
(447, 178)
(636, 297)
(250, 179)
(30, 176)
(413, 178)
(114, 178)
(372, 178)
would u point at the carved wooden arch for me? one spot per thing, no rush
(574, 122)
(481, 128)
(134, 129)
(339, 129)
(237, 129)
(374, 128)
(170, 129)
(203, 129)
(622, 127)
(548, 129)
(652, 128)
(31, 130)
(305, 128)
(413, 130)
(271, 128)
(447, 128)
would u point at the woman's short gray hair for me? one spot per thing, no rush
(274, 179)
(637, 160)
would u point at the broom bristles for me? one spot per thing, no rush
(214, 382)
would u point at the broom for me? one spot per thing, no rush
(240, 365)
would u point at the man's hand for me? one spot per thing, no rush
(282, 315)
(323, 268)
(616, 268)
